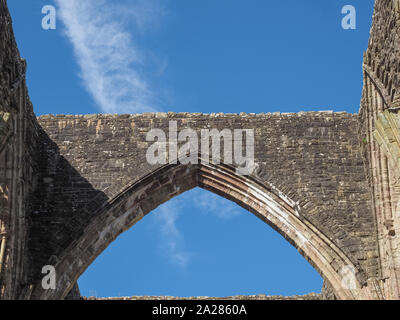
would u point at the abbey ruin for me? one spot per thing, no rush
(329, 182)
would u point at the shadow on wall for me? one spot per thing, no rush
(59, 214)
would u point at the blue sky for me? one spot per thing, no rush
(130, 56)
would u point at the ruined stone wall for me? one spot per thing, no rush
(314, 158)
(310, 296)
(18, 142)
(342, 170)
(380, 136)
(381, 59)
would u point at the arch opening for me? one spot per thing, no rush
(200, 244)
(262, 199)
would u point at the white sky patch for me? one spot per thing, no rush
(216, 205)
(173, 246)
(168, 214)
(110, 61)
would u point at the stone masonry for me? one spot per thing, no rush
(327, 181)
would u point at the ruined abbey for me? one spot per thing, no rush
(329, 182)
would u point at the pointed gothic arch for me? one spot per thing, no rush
(168, 181)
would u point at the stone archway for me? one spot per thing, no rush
(265, 201)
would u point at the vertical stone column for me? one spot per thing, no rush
(378, 133)
(18, 156)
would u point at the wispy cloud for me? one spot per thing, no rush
(173, 240)
(216, 205)
(167, 215)
(110, 61)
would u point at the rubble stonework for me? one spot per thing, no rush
(327, 181)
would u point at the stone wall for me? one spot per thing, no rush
(379, 132)
(381, 59)
(18, 153)
(313, 158)
(328, 182)
(310, 296)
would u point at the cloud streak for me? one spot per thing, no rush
(216, 205)
(111, 64)
(173, 244)
(167, 215)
